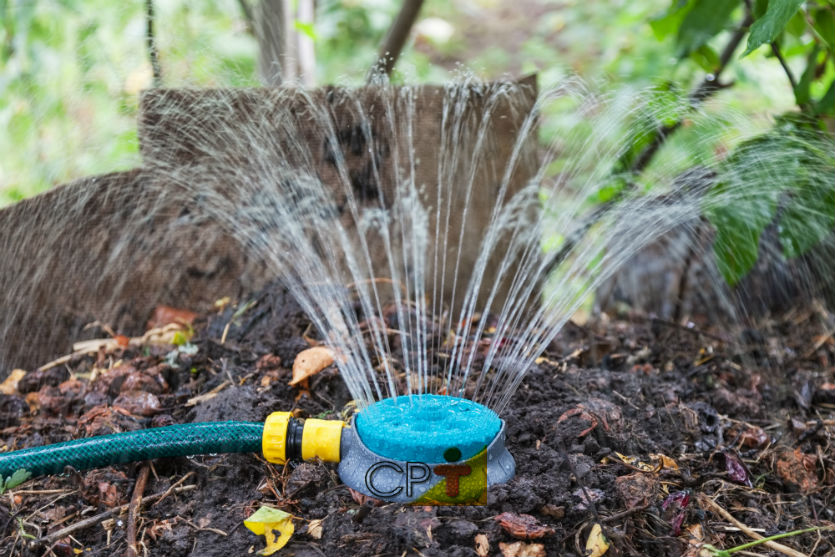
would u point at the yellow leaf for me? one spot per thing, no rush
(181, 337)
(597, 544)
(275, 525)
(634, 462)
(666, 462)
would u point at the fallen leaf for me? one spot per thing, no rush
(798, 468)
(482, 545)
(635, 462)
(553, 511)
(675, 509)
(667, 463)
(268, 362)
(523, 526)
(750, 436)
(737, 471)
(9, 385)
(274, 524)
(596, 544)
(695, 540)
(362, 498)
(165, 315)
(310, 362)
(636, 489)
(138, 403)
(315, 529)
(522, 549)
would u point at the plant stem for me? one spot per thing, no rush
(709, 85)
(727, 552)
(775, 48)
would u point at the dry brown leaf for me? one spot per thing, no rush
(482, 545)
(636, 489)
(523, 526)
(310, 362)
(362, 498)
(522, 549)
(798, 468)
(695, 540)
(314, 529)
(9, 385)
(165, 315)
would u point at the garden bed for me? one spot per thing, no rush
(667, 436)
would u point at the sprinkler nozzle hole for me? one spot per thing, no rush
(452, 454)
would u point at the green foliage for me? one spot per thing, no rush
(784, 175)
(14, 480)
(770, 25)
(703, 20)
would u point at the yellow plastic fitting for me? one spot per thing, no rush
(322, 439)
(274, 438)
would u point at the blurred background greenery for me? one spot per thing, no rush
(71, 72)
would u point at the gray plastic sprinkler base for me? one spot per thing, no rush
(446, 483)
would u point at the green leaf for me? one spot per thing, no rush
(825, 27)
(797, 24)
(826, 106)
(809, 212)
(706, 58)
(702, 23)
(801, 92)
(768, 27)
(808, 219)
(305, 29)
(738, 229)
(14, 480)
(665, 25)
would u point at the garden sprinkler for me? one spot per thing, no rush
(420, 449)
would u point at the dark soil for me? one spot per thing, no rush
(750, 426)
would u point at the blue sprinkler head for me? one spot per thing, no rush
(427, 450)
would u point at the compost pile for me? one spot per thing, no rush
(648, 436)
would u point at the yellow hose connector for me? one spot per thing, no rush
(274, 438)
(322, 439)
(286, 438)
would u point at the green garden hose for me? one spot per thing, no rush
(146, 444)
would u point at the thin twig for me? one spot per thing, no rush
(784, 549)
(709, 85)
(133, 509)
(151, 43)
(775, 49)
(395, 39)
(87, 522)
(173, 487)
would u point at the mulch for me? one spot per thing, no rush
(669, 437)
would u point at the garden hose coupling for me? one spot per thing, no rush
(287, 438)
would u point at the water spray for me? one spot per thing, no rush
(420, 449)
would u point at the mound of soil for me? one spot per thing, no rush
(668, 437)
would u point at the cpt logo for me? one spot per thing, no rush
(448, 484)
